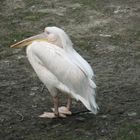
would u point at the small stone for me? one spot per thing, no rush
(32, 93)
(104, 35)
(104, 116)
(131, 114)
(80, 118)
(103, 132)
(21, 56)
(34, 106)
(34, 88)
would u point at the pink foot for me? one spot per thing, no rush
(51, 115)
(63, 110)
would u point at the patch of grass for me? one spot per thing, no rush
(91, 3)
(129, 131)
(137, 35)
(33, 2)
(28, 15)
(34, 16)
(14, 37)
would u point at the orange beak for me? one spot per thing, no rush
(28, 41)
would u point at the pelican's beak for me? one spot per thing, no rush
(28, 41)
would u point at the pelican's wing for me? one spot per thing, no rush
(71, 78)
(81, 63)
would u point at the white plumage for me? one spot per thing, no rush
(61, 68)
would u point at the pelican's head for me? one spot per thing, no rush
(53, 35)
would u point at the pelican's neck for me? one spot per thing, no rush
(69, 49)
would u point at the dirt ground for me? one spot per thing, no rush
(107, 34)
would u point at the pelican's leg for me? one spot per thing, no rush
(55, 112)
(69, 102)
(66, 109)
(56, 103)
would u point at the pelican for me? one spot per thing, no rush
(61, 69)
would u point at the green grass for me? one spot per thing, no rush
(129, 131)
(18, 36)
(87, 2)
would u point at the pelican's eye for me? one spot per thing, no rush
(47, 32)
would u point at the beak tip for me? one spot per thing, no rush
(11, 46)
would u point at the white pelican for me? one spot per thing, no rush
(61, 69)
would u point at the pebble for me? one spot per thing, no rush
(131, 114)
(104, 116)
(34, 88)
(80, 118)
(32, 93)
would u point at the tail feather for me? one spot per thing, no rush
(92, 84)
(89, 101)
(88, 98)
(93, 105)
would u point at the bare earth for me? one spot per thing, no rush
(107, 34)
